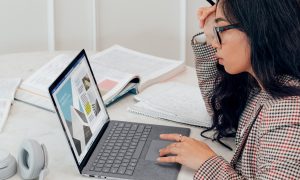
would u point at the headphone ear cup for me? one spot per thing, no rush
(8, 165)
(31, 159)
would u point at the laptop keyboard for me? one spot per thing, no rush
(120, 152)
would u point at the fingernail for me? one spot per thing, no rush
(158, 159)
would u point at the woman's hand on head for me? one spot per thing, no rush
(186, 151)
(206, 16)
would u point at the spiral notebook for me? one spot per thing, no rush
(173, 101)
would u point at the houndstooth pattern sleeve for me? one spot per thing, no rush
(205, 63)
(272, 150)
(216, 168)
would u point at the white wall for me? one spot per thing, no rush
(158, 27)
(73, 24)
(23, 25)
(150, 26)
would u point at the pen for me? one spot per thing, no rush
(211, 2)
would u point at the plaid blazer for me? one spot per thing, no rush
(272, 149)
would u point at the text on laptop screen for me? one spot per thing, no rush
(80, 107)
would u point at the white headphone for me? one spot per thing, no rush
(32, 161)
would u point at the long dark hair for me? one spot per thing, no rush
(273, 31)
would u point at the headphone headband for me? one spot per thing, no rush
(8, 165)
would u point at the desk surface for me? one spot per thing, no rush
(27, 121)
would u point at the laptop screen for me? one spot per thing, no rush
(79, 105)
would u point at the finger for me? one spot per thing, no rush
(168, 150)
(203, 13)
(183, 139)
(212, 8)
(199, 12)
(170, 159)
(170, 146)
(173, 145)
(171, 137)
(201, 24)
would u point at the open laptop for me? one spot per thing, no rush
(101, 147)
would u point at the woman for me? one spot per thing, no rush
(250, 80)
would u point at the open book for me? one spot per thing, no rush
(117, 71)
(173, 101)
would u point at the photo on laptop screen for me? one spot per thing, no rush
(80, 107)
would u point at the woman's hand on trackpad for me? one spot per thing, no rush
(187, 151)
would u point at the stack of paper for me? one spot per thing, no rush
(7, 88)
(173, 101)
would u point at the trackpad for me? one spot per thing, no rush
(155, 146)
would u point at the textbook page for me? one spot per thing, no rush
(173, 101)
(117, 70)
(110, 81)
(151, 69)
(4, 111)
(7, 88)
(42, 79)
(34, 90)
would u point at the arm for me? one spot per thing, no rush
(216, 168)
(279, 158)
(279, 148)
(205, 63)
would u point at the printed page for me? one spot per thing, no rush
(34, 90)
(109, 81)
(35, 99)
(173, 101)
(40, 81)
(7, 88)
(148, 67)
(4, 111)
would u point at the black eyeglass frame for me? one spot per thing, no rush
(218, 30)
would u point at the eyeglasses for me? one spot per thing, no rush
(218, 30)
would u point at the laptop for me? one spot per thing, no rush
(104, 148)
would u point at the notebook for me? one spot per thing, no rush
(173, 101)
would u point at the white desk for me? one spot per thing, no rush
(27, 121)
